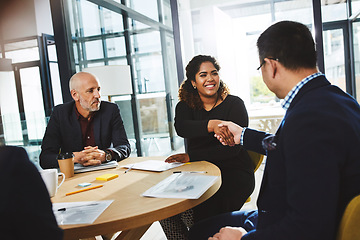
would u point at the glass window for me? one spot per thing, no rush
(333, 11)
(121, 61)
(23, 55)
(334, 57)
(356, 33)
(90, 18)
(22, 51)
(149, 8)
(355, 6)
(33, 102)
(146, 42)
(113, 22)
(94, 49)
(167, 20)
(115, 47)
(299, 10)
(154, 124)
(95, 64)
(77, 51)
(148, 62)
(9, 109)
(52, 53)
(55, 83)
(124, 103)
(172, 81)
(136, 25)
(149, 73)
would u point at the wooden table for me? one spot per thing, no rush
(129, 212)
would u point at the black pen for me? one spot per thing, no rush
(190, 172)
(64, 209)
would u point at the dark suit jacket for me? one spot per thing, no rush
(25, 206)
(314, 171)
(63, 132)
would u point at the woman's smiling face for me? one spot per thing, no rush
(207, 80)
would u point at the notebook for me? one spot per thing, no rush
(153, 165)
(78, 168)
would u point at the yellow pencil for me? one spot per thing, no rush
(84, 189)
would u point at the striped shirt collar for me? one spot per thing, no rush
(291, 95)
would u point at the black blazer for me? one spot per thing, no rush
(315, 169)
(25, 206)
(64, 132)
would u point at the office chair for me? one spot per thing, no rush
(349, 225)
(257, 159)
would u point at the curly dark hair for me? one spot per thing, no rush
(187, 93)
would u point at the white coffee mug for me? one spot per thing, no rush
(50, 177)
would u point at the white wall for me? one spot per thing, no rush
(25, 18)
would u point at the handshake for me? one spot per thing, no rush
(228, 133)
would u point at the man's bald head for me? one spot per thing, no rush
(85, 90)
(79, 78)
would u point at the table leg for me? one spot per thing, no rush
(133, 234)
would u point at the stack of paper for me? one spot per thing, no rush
(182, 185)
(78, 168)
(79, 212)
(153, 165)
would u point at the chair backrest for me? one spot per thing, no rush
(256, 158)
(349, 226)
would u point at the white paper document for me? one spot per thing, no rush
(181, 185)
(153, 165)
(78, 168)
(79, 212)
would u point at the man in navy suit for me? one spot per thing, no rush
(313, 166)
(91, 129)
(25, 206)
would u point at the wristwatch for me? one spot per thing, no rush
(108, 156)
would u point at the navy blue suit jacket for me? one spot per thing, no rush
(64, 131)
(25, 206)
(315, 169)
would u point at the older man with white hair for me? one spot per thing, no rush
(91, 129)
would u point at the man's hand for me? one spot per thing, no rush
(181, 157)
(223, 132)
(229, 233)
(90, 156)
(233, 128)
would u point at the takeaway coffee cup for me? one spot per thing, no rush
(66, 164)
(50, 177)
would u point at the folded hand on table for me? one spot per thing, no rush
(90, 156)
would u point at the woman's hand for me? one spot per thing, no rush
(225, 134)
(181, 157)
(233, 128)
(222, 132)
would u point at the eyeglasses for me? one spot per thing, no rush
(269, 143)
(263, 62)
